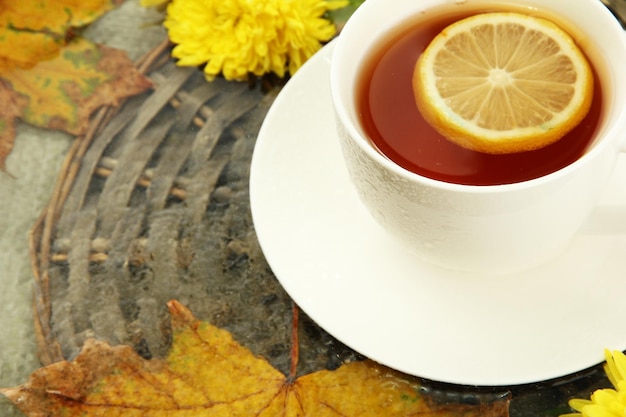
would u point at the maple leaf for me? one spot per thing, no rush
(207, 373)
(36, 30)
(12, 106)
(62, 92)
(51, 79)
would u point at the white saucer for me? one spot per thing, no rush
(370, 293)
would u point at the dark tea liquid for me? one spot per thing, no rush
(390, 117)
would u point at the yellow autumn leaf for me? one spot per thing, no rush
(207, 373)
(153, 3)
(12, 106)
(49, 77)
(35, 30)
(62, 92)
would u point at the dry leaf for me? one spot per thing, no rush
(50, 79)
(12, 105)
(63, 92)
(207, 373)
(36, 30)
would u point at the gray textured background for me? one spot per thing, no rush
(35, 163)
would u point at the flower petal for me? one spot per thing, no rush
(237, 37)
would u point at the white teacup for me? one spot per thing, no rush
(494, 228)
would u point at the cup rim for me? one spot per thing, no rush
(613, 127)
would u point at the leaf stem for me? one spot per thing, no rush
(295, 346)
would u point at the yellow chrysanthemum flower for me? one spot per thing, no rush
(606, 402)
(238, 37)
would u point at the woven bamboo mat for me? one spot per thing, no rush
(152, 204)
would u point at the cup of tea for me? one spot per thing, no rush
(456, 207)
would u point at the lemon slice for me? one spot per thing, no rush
(503, 83)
